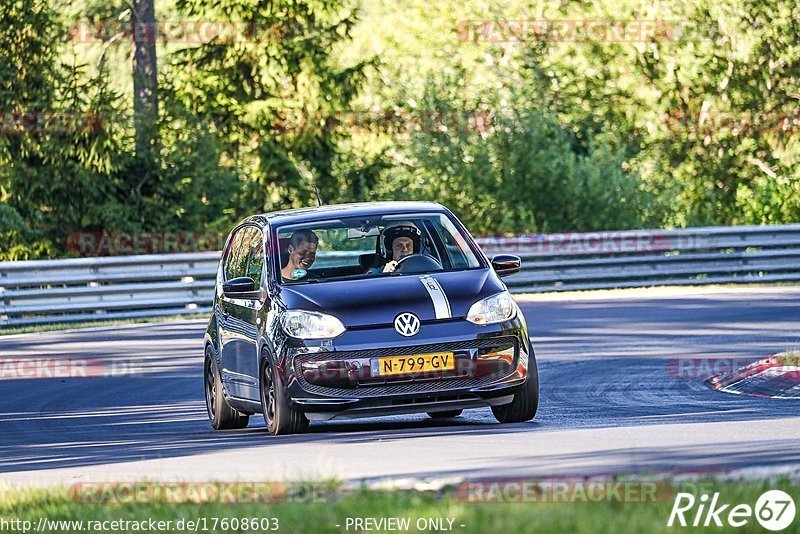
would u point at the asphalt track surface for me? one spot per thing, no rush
(614, 399)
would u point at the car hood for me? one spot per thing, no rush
(377, 301)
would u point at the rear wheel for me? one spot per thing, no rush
(278, 415)
(445, 415)
(526, 400)
(221, 415)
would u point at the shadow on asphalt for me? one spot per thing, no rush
(663, 461)
(603, 364)
(170, 421)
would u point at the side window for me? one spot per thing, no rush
(255, 255)
(233, 251)
(240, 263)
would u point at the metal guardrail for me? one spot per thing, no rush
(645, 258)
(123, 287)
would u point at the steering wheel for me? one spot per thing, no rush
(417, 263)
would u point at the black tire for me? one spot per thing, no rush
(445, 415)
(279, 417)
(221, 415)
(526, 400)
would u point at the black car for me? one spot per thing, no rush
(362, 310)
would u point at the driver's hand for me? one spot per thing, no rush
(390, 267)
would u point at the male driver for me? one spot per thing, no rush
(398, 240)
(302, 251)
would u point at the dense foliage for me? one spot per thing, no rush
(689, 118)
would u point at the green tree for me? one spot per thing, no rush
(266, 93)
(58, 159)
(510, 166)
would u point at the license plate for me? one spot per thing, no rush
(416, 363)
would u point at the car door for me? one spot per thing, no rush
(227, 333)
(239, 354)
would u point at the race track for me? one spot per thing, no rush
(613, 399)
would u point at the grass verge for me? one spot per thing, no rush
(330, 512)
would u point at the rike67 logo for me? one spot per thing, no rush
(774, 510)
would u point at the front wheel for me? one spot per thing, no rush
(221, 415)
(278, 415)
(526, 400)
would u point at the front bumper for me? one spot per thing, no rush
(328, 382)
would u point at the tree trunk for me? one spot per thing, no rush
(145, 86)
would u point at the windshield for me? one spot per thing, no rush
(385, 245)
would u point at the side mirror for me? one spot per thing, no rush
(242, 287)
(506, 264)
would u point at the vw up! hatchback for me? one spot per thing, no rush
(362, 310)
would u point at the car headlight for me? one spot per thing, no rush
(494, 309)
(311, 325)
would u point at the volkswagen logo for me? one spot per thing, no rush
(406, 324)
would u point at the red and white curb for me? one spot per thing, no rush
(765, 378)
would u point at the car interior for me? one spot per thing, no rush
(446, 254)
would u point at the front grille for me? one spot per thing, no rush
(453, 346)
(408, 384)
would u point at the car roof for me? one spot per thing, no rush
(301, 215)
